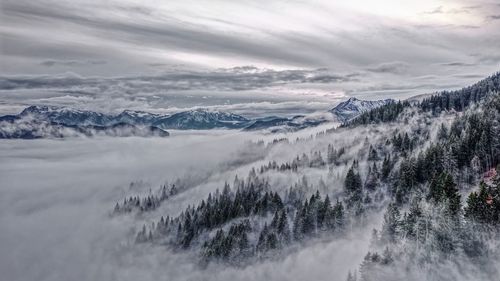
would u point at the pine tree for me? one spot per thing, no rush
(353, 186)
(372, 154)
(262, 242)
(283, 228)
(339, 216)
(386, 167)
(372, 178)
(443, 132)
(307, 219)
(297, 224)
(325, 214)
(391, 225)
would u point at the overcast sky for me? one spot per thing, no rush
(165, 55)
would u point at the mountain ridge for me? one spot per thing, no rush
(79, 120)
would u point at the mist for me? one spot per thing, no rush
(57, 196)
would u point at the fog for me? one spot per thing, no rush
(57, 196)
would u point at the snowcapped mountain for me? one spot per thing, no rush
(353, 107)
(35, 129)
(343, 112)
(282, 124)
(192, 119)
(137, 117)
(60, 122)
(201, 119)
(67, 116)
(53, 120)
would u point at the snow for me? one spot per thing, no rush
(353, 107)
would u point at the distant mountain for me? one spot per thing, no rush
(419, 98)
(56, 121)
(283, 124)
(201, 119)
(137, 117)
(342, 113)
(52, 121)
(198, 119)
(67, 116)
(354, 107)
(60, 122)
(33, 129)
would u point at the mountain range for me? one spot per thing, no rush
(40, 121)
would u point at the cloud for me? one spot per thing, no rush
(165, 34)
(396, 67)
(200, 37)
(62, 222)
(457, 63)
(437, 10)
(470, 75)
(240, 78)
(180, 90)
(247, 90)
(453, 11)
(488, 58)
(183, 55)
(51, 63)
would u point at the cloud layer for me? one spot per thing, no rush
(358, 48)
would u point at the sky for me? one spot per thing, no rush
(276, 56)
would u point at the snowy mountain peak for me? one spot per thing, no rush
(64, 115)
(202, 119)
(136, 117)
(219, 115)
(193, 119)
(353, 107)
(37, 109)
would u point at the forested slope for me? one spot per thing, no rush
(430, 167)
